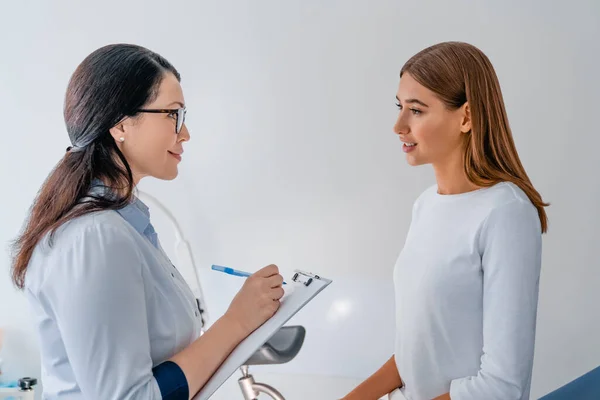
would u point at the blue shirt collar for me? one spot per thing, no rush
(136, 213)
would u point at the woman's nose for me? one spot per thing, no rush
(400, 127)
(184, 134)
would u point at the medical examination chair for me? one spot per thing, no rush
(585, 387)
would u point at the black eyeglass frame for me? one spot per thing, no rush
(179, 112)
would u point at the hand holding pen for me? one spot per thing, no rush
(258, 299)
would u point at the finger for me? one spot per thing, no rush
(277, 293)
(275, 306)
(267, 271)
(275, 281)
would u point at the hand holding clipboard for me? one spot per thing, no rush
(305, 286)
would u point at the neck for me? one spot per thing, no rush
(136, 179)
(451, 177)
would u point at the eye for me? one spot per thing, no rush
(414, 111)
(173, 114)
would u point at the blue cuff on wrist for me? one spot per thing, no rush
(171, 381)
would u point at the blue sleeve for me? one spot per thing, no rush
(171, 381)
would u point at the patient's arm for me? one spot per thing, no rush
(382, 382)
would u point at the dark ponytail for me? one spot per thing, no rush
(108, 86)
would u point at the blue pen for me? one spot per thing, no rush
(232, 271)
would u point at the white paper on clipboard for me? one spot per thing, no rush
(306, 287)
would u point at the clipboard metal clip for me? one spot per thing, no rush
(305, 278)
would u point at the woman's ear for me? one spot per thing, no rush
(119, 130)
(465, 125)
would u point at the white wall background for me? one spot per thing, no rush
(292, 159)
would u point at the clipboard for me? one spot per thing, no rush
(304, 286)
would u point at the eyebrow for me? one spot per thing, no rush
(413, 101)
(176, 102)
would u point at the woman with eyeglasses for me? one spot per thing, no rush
(115, 318)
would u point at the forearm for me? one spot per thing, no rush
(384, 381)
(443, 397)
(202, 358)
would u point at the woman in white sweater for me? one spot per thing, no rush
(467, 278)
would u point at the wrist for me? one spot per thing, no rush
(234, 326)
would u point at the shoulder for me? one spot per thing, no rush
(507, 192)
(98, 227)
(80, 243)
(509, 210)
(508, 199)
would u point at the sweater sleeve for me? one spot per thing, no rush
(510, 243)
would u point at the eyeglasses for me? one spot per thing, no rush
(179, 113)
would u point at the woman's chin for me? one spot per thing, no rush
(167, 175)
(413, 161)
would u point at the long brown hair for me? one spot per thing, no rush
(460, 73)
(110, 84)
